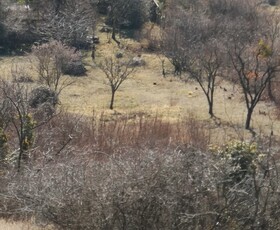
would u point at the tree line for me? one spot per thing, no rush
(235, 40)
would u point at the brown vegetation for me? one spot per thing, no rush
(158, 161)
(128, 174)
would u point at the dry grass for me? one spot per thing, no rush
(147, 106)
(18, 226)
(148, 92)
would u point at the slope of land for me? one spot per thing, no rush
(148, 92)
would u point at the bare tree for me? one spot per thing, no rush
(116, 71)
(51, 59)
(15, 98)
(72, 22)
(174, 51)
(192, 44)
(254, 69)
(174, 36)
(274, 21)
(127, 14)
(17, 121)
(204, 65)
(256, 63)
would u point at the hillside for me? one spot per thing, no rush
(155, 156)
(148, 93)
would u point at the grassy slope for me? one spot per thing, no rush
(148, 92)
(170, 97)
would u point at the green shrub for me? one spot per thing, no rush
(242, 158)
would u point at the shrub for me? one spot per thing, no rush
(43, 100)
(99, 173)
(74, 68)
(141, 173)
(128, 14)
(134, 190)
(52, 58)
(146, 189)
(41, 95)
(242, 158)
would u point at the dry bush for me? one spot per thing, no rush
(67, 21)
(19, 121)
(108, 135)
(52, 61)
(272, 95)
(151, 189)
(20, 74)
(137, 172)
(135, 190)
(149, 37)
(41, 95)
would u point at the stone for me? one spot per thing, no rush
(137, 61)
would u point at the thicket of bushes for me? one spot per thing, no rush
(137, 172)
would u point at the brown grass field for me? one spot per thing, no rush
(148, 92)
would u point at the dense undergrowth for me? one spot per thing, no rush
(141, 173)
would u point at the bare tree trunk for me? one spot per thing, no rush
(19, 159)
(93, 52)
(269, 89)
(209, 93)
(112, 99)
(114, 32)
(211, 100)
(249, 118)
(210, 103)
